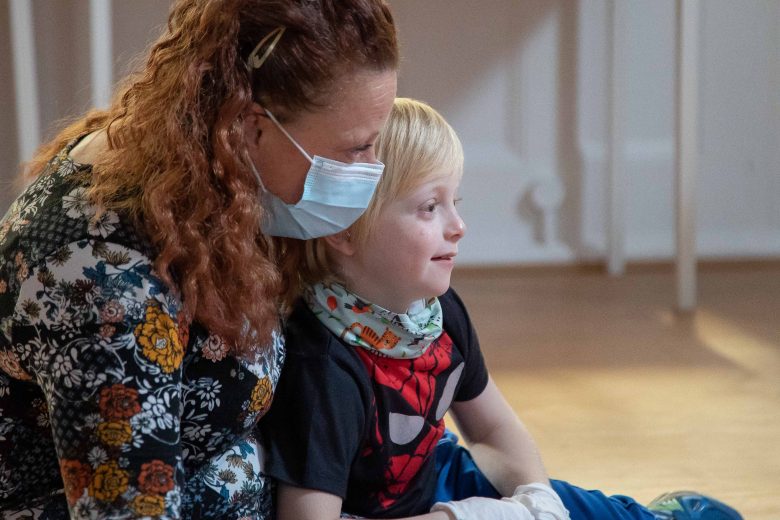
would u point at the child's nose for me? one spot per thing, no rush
(457, 227)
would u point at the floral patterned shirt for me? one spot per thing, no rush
(109, 405)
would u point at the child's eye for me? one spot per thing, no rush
(457, 200)
(429, 207)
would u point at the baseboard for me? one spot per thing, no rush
(633, 267)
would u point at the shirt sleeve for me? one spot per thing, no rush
(458, 325)
(315, 427)
(97, 331)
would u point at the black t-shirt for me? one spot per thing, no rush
(363, 426)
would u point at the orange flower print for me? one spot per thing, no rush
(112, 312)
(115, 433)
(261, 395)
(9, 363)
(156, 477)
(332, 302)
(7, 225)
(214, 348)
(118, 402)
(24, 269)
(107, 330)
(108, 482)
(149, 505)
(184, 328)
(159, 339)
(76, 477)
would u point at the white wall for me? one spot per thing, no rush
(524, 83)
(740, 179)
(62, 50)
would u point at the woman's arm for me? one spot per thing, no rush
(501, 445)
(296, 503)
(98, 333)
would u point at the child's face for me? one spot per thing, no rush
(411, 250)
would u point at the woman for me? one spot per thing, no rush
(138, 288)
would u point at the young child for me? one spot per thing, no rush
(380, 348)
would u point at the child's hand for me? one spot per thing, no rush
(529, 502)
(476, 508)
(542, 501)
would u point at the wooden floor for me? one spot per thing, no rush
(623, 394)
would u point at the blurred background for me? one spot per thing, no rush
(623, 392)
(526, 84)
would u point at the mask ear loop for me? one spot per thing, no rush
(254, 61)
(287, 134)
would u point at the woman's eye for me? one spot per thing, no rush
(457, 200)
(362, 149)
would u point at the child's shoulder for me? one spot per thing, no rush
(303, 331)
(306, 336)
(452, 306)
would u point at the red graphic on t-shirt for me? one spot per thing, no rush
(408, 387)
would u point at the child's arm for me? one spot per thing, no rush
(501, 445)
(294, 503)
(506, 453)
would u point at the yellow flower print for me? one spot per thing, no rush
(115, 433)
(261, 395)
(149, 505)
(108, 482)
(159, 338)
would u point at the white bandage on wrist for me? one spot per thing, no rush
(445, 507)
(479, 508)
(535, 501)
(541, 501)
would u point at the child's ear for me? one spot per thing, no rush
(341, 242)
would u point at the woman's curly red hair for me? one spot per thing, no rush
(177, 163)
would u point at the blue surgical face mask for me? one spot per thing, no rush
(335, 194)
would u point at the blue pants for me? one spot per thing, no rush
(459, 477)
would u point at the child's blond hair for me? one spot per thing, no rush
(415, 144)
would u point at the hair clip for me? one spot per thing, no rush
(254, 61)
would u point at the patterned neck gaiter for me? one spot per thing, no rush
(372, 327)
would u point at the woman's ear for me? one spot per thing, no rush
(341, 242)
(255, 122)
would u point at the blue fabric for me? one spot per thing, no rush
(459, 478)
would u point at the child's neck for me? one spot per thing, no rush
(377, 296)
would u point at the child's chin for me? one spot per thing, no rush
(441, 290)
